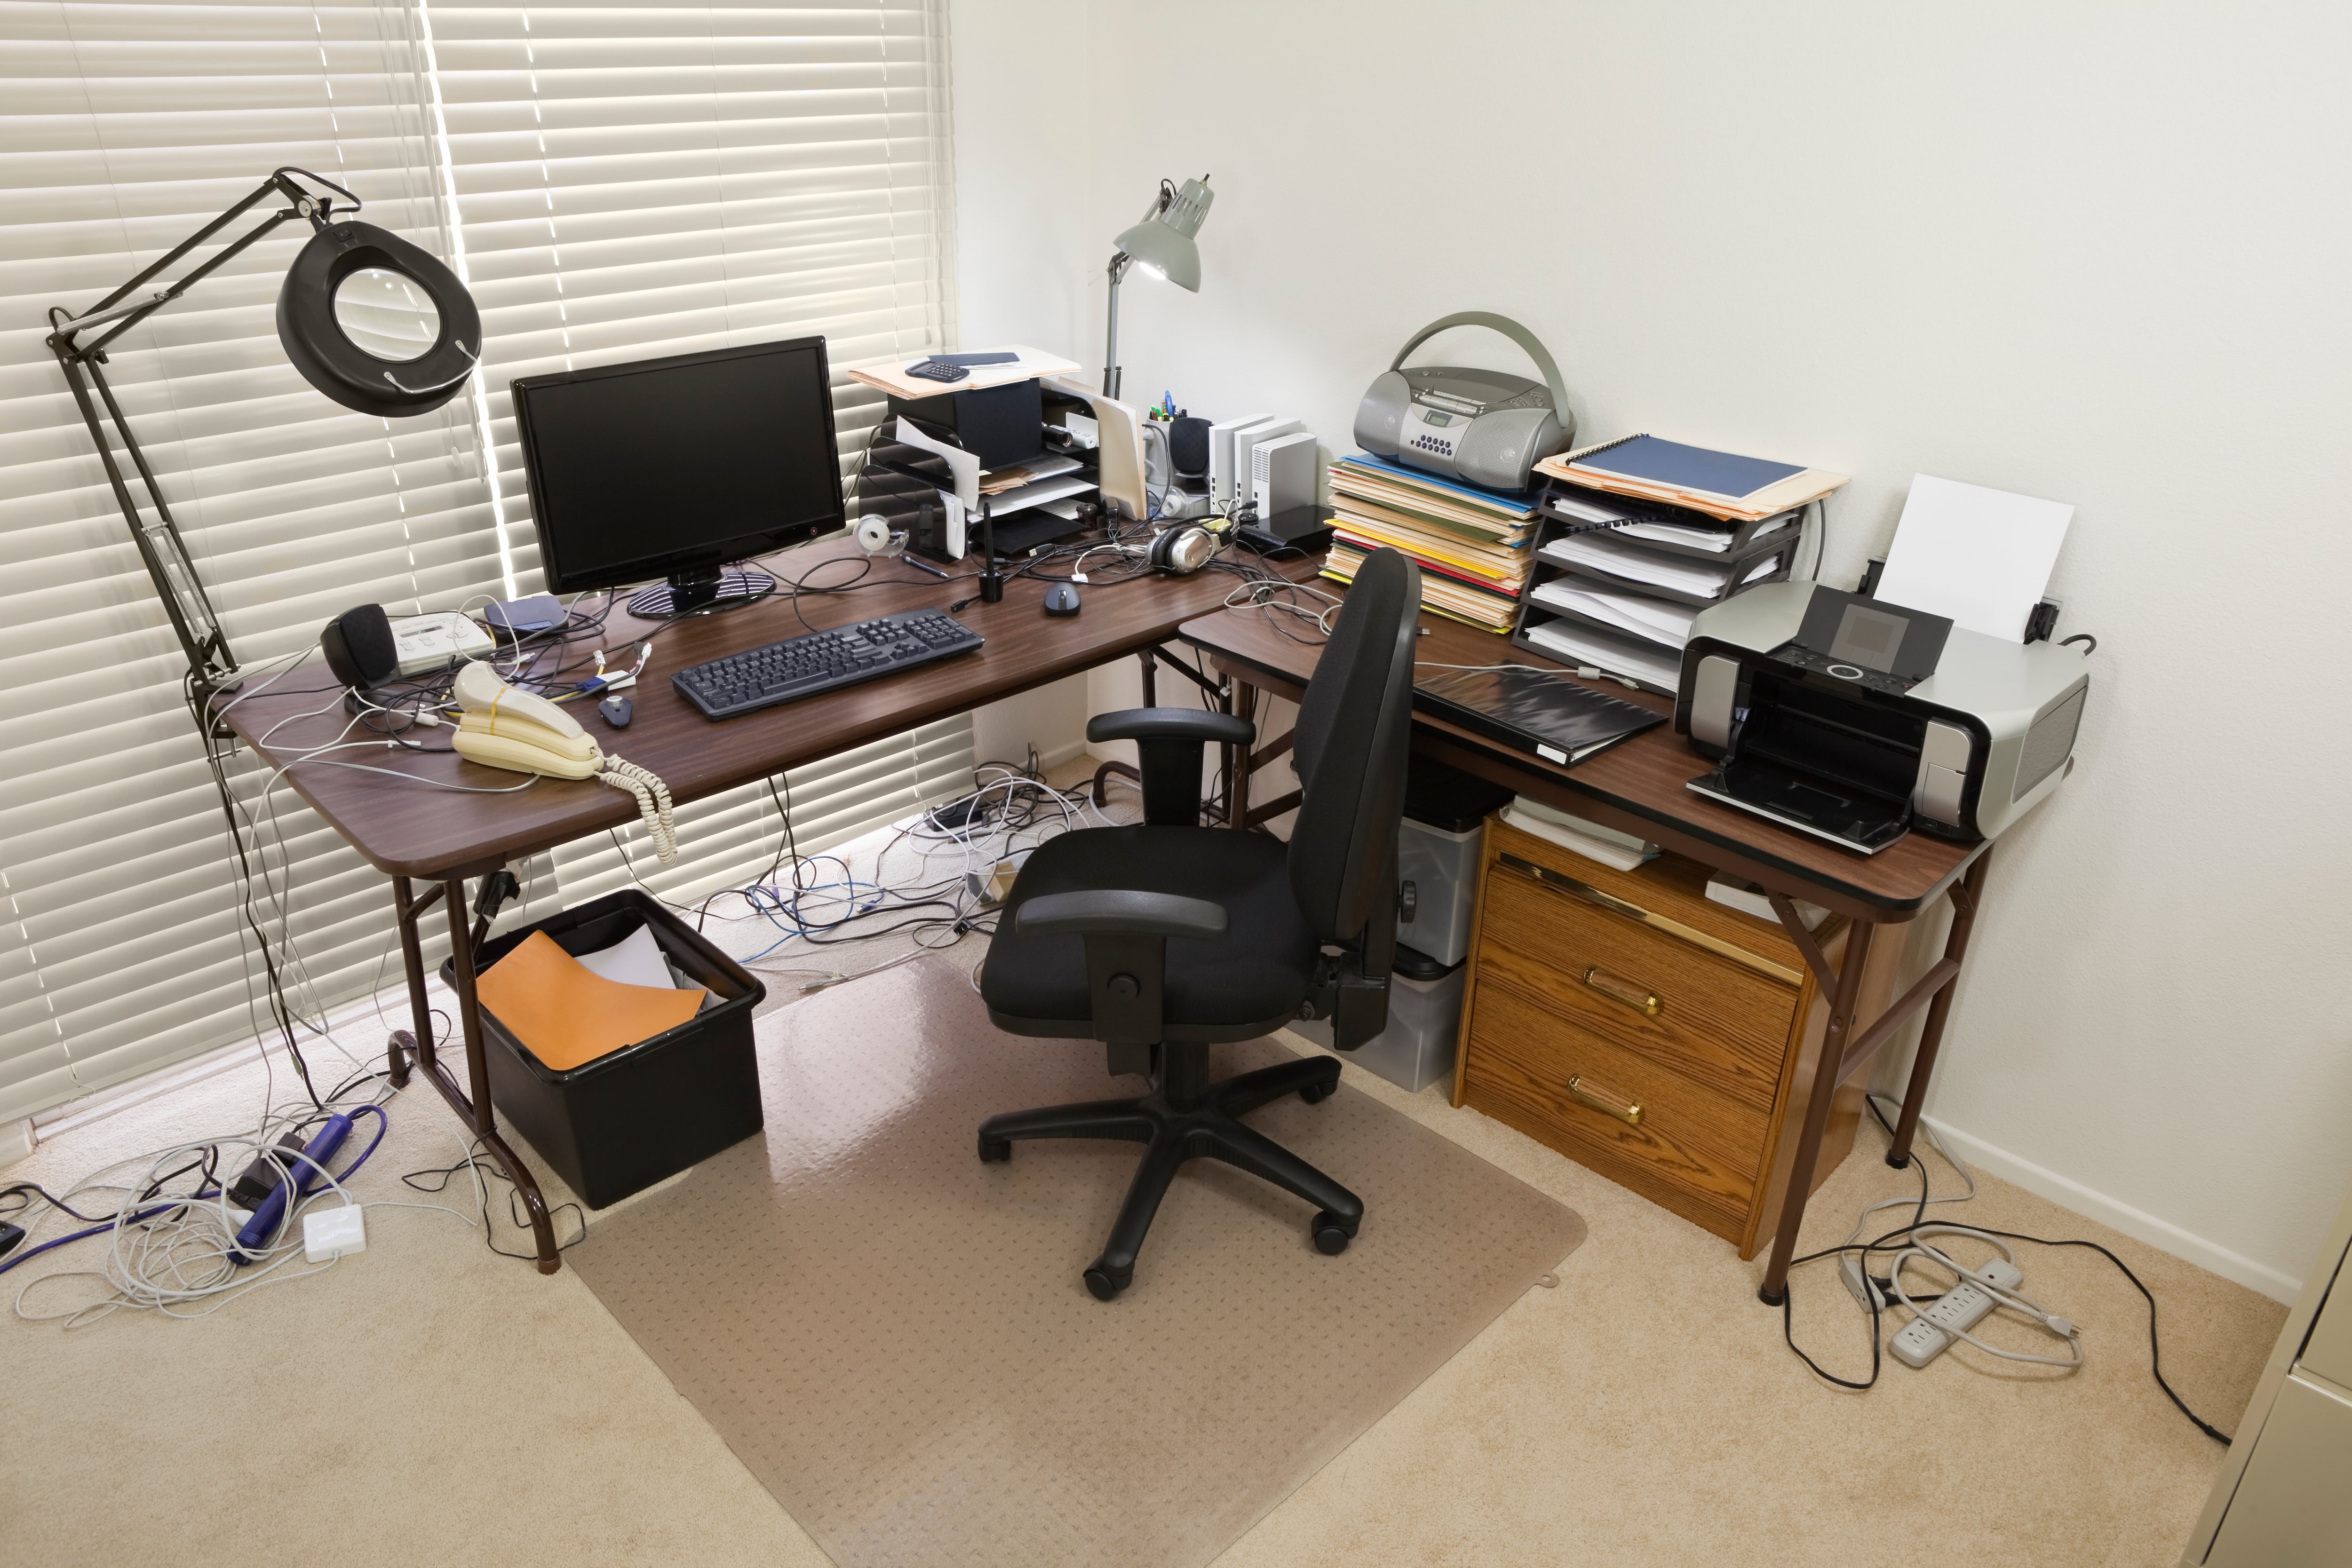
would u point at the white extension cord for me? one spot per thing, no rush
(1975, 1294)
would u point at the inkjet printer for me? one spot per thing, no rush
(1856, 720)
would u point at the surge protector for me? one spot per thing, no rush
(1963, 1307)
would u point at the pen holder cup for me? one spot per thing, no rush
(624, 1120)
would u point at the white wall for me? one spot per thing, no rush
(2091, 252)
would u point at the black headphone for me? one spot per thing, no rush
(1181, 549)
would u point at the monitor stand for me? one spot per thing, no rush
(702, 592)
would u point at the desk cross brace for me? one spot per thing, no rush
(417, 1046)
(1845, 1053)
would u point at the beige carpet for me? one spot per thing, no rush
(425, 1403)
(893, 1336)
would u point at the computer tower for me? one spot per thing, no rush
(1282, 474)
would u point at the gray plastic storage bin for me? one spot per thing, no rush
(1437, 852)
(1424, 1014)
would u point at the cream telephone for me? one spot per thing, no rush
(504, 727)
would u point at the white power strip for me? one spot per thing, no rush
(1961, 1308)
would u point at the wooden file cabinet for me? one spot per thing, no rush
(1660, 1039)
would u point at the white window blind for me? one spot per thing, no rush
(814, 203)
(630, 183)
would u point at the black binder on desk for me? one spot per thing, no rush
(1551, 716)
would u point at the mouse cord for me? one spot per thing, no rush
(653, 803)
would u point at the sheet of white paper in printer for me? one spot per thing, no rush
(1981, 557)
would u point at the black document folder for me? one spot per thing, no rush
(1551, 716)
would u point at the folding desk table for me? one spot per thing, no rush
(441, 837)
(1637, 786)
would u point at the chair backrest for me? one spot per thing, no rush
(1354, 730)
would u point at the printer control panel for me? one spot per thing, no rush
(1805, 658)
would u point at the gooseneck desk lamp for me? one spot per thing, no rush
(1160, 244)
(374, 322)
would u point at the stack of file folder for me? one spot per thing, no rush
(1637, 537)
(1471, 543)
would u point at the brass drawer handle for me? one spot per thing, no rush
(1648, 1003)
(1630, 1115)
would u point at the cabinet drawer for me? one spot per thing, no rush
(1694, 1150)
(1653, 992)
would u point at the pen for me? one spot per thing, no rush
(918, 563)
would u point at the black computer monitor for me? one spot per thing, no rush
(672, 468)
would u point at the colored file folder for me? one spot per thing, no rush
(568, 1015)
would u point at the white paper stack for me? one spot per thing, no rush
(1596, 552)
(1573, 643)
(1659, 621)
(1610, 846)
(1749, 899)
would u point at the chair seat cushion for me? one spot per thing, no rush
(1256, 977)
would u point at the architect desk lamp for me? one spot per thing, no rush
(1160, 244)
(374, 322)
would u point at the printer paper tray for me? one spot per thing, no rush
(1742, 791)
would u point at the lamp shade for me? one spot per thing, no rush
(376, 323)
(1162, 241)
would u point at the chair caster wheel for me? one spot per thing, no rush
(1330, 1238)
(1316, 1093)
(1102, 1284)
(995, 1151)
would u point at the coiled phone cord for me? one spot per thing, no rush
(653, 803)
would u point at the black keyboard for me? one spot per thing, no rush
(824, 661)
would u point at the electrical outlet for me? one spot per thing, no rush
(1963, 1307)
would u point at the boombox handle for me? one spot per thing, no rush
(1494, 323)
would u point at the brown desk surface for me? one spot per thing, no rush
(406, 830)
(1636, 785)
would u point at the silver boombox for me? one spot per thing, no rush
(1482, 426)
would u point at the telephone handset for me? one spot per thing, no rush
(504, 727)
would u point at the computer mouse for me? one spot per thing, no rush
(1061, 599)
(616, 711)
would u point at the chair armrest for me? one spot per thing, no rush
(1167, 742)
(1120, 912)
(1172, 724)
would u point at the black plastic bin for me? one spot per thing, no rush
(620, 1123)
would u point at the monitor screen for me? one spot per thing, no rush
(645, 470)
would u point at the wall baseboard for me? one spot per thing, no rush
(1066, 751)
(2160, 1234)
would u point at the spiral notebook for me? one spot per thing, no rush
(1551, 716)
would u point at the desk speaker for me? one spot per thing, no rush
(360, 647)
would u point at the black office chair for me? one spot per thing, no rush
(1163, 939)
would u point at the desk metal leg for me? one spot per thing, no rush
(1828, 1072)
(1966, 898)
(1242, 701)
(474, 1109)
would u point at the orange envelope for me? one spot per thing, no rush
(567, 1014)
